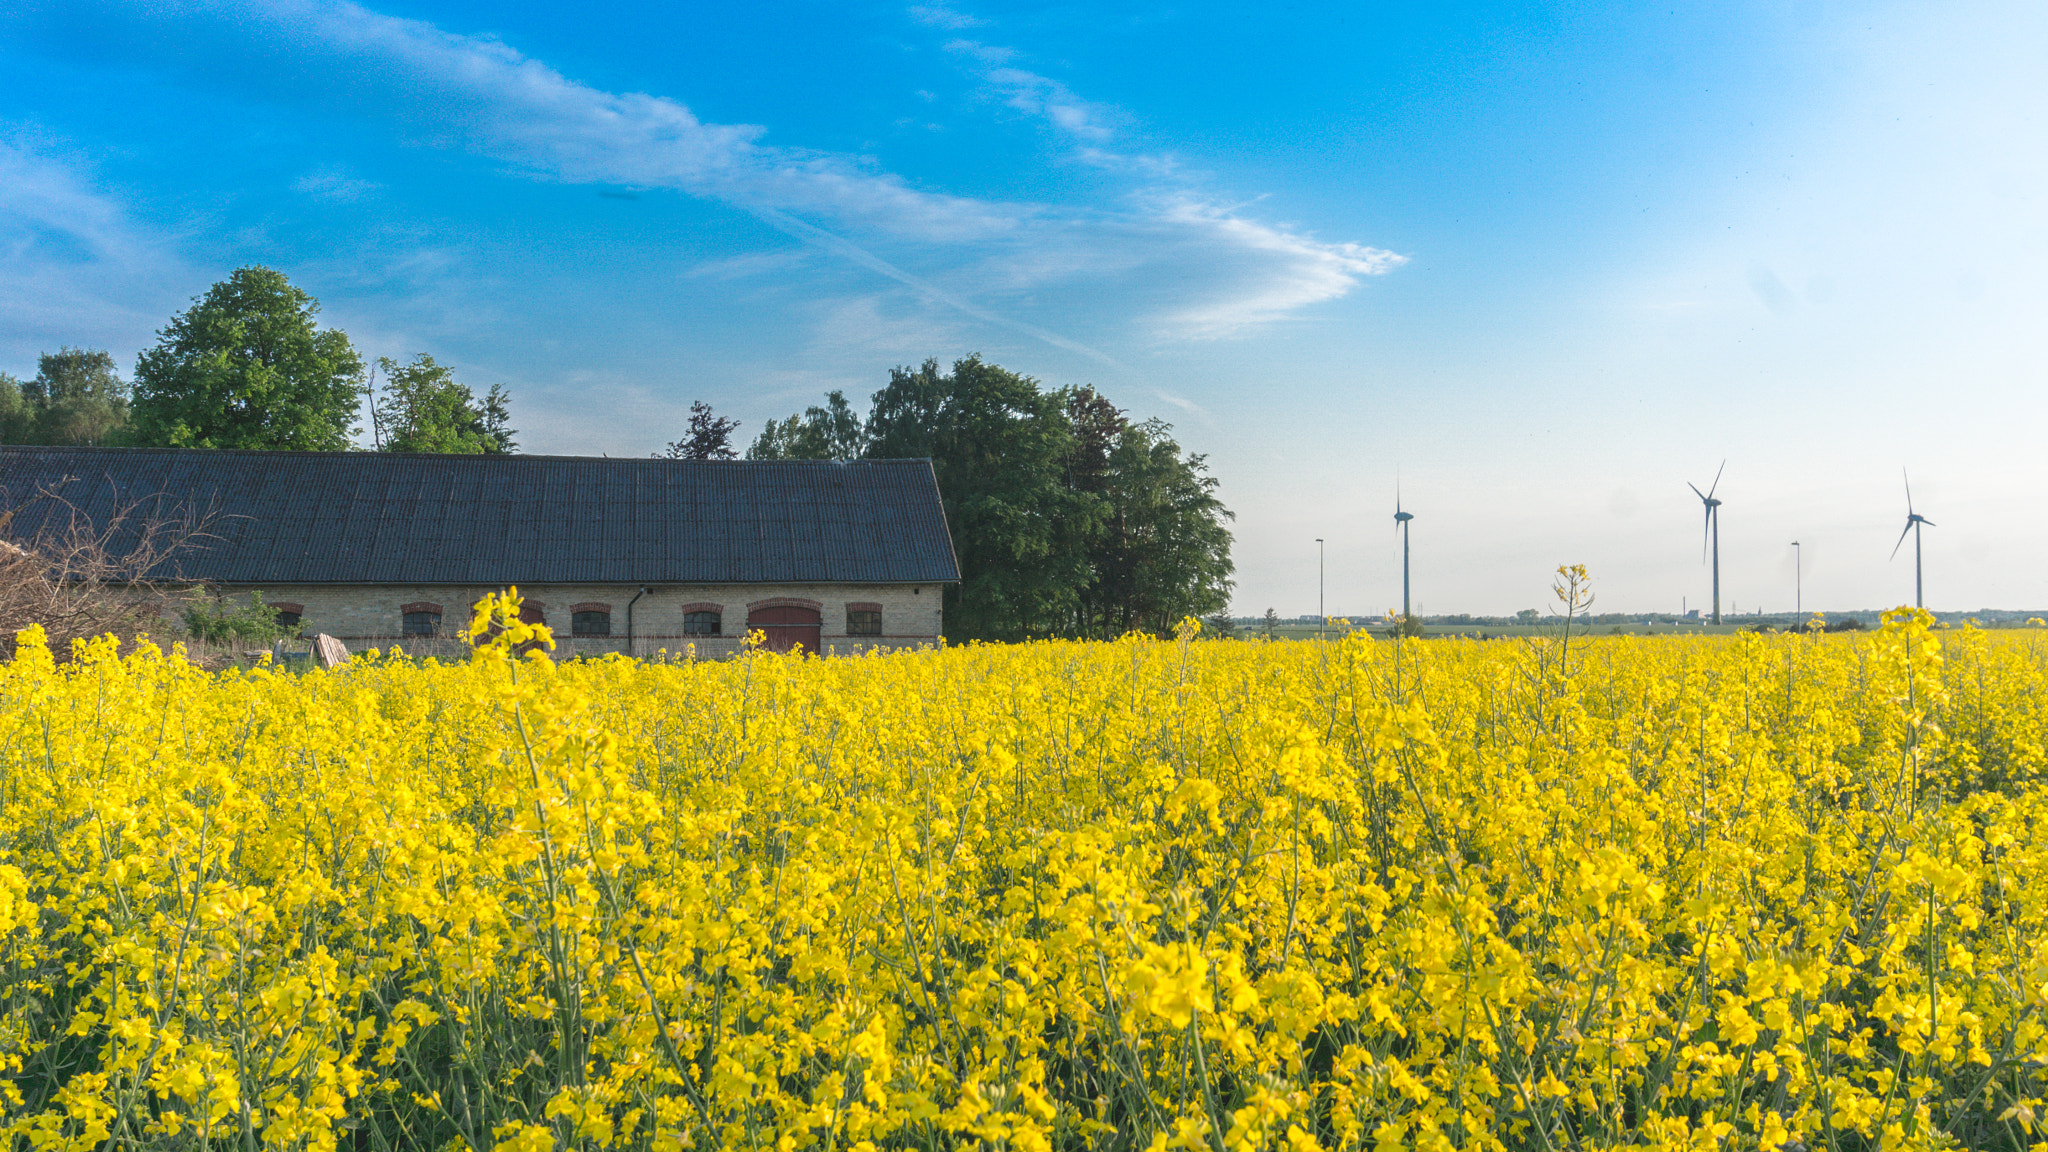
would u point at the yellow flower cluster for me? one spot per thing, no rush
(1753, 892)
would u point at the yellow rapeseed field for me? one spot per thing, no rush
(1778, 892)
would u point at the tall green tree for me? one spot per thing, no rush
(1067, 518)
(247, 367)
(13, 422)
(77, 397)
(999, 445)
(421, 408)
(834, 432)
(1163, 551)
(709, 436)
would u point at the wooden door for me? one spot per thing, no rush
(788, 626)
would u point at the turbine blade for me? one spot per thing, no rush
(1926, 521)
(1716, 485)
(1909, 491)
(1706, 531)
(1902, 539)
(1696, 490)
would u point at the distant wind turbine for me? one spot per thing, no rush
(1712, 537)
(1913, 522)
(1401, 520)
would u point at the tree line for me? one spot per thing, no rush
(248, 366)
(1068, 517)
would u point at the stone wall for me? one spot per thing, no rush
(371, 616)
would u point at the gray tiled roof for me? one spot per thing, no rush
(362, 517)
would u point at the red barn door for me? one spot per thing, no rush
(788, 626)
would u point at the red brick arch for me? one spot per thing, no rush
(282, 606)
(703, 606)
(785, 602)
(787, 622)
(862, 606)
(590, 606)
(419, 606)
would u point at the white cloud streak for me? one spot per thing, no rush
(74, 267)
(335, 186)
(1227, 274)
(941, 16)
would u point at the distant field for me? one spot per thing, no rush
(1309, 632)
(1493, 631)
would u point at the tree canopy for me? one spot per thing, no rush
(422, 408)
(709, 436)
(247, 367)
(1067, 518)
(76, 397)
(834, 432)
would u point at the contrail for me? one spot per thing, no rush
(861, 256)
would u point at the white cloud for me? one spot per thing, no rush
(1036, 95)
(75, 267)
(985, 53)
(1206, 271)
(336, 186)
(750, 265)
(940, 16)
(1280, 271)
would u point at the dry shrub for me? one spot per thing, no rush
(81, 576)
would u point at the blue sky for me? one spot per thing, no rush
(1544, 263)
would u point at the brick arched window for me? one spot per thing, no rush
(703, 619)
(419, 618)
(590, 618)
(288, 615)
(863, 619)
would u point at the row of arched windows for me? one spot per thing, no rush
(423, 618)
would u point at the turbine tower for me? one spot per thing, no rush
(1913, 522)
(1401, 520)
(1711, 539)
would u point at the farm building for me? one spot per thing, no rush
(624, 555)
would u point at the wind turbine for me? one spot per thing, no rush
(1712, 532)
(1401, 520)
(1913, 522)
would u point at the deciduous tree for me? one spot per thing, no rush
(1163, 550)
(423, 409)
(247, 366)
(77, 397)
(1067, 519)
(834, 432)
(709, 438)
(999, 445)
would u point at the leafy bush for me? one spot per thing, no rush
(220, 621)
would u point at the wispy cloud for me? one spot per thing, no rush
(1239, 273)
(335, 186)
(75, 266)
(1225, 273)
(1036, 95)
(1281, 271)
(941, 16)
